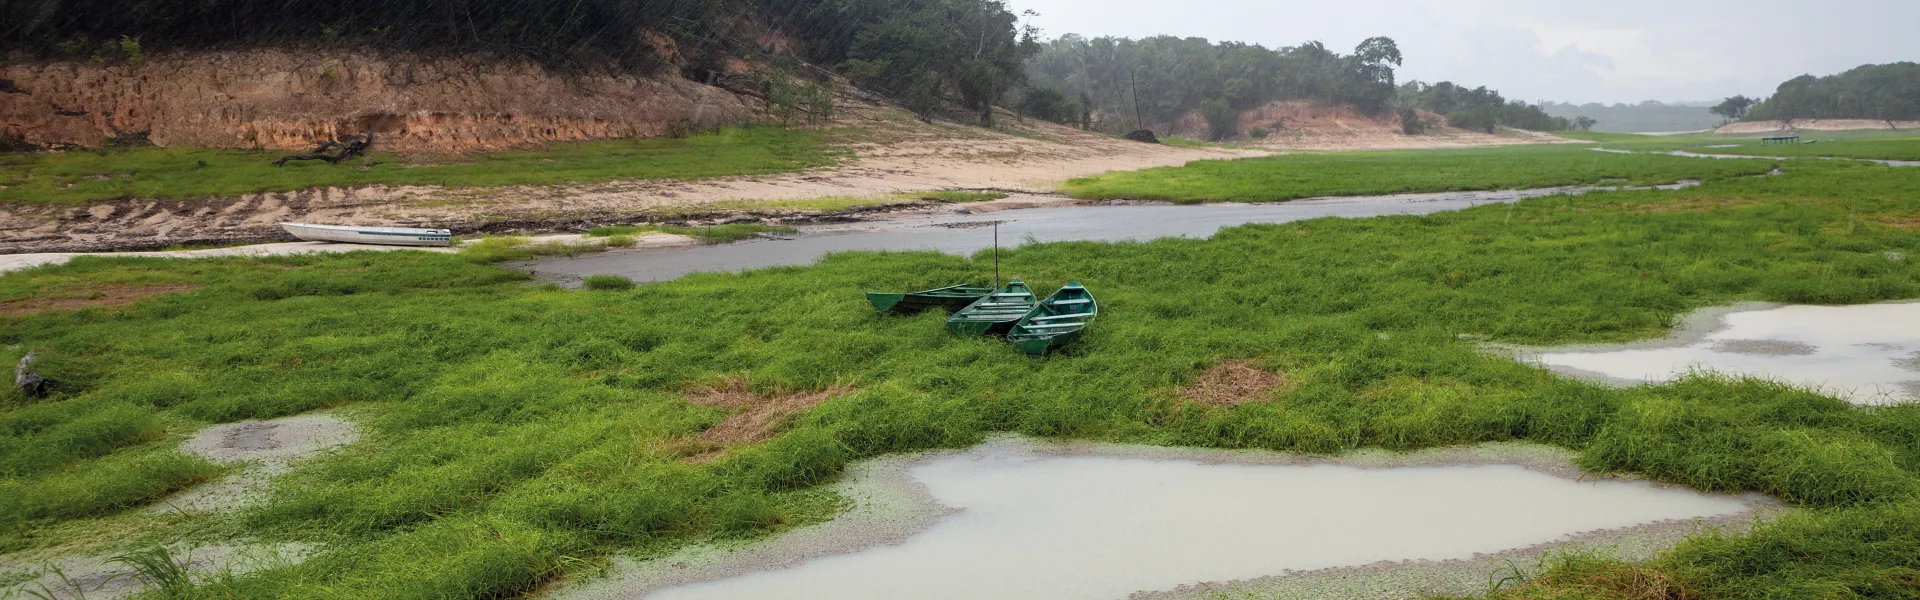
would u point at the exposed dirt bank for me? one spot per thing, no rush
(893, 155)
(1297, 125)
(1815, 125)
(287, 100)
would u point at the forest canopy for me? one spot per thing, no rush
(906, 48)
(1479, 108)
(1173, 75)
(1886, 92)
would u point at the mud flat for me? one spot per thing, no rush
(1018, 518)
(1868, 354)
(270, 448)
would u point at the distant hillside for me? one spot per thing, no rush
(914, 50)
(1120, 82)
(477, 74)
(1646, 117)
(1888, 92)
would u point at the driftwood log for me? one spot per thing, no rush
(28, 381)
(347, 150)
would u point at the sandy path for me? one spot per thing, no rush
(892, 156)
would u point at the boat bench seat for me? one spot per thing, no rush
(1057, 326)
(1069, 302)
(1012, 295)
(1058, 317)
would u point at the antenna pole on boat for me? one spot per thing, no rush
(996, 255)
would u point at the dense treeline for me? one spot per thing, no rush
(1888, 92)
(1173, 76)
(916, 50)
(586, 32)
(1646, 117)
(1478, 108)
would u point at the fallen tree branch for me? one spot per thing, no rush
(348, 150)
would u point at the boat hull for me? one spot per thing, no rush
(951, 299)
(1043, 345)
(995, 313)
(974, 327)
(1057, 322)
(380, 236)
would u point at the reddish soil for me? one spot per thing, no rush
(1233, 383)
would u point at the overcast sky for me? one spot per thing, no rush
(1562, 50)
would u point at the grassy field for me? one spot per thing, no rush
(1304, 175)
(185, 174)
(517, 432)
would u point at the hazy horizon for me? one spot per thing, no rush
(1578, 52)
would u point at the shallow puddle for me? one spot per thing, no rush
(1015, 518)
(1867, 354)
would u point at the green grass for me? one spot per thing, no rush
(1295, 176)
(607, 282)
(187, 174)
(514, 433)
(714, 234)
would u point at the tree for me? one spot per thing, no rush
(1734, 108)
(1584, 123)
(1222, 120)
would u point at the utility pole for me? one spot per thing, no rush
(1133, 80)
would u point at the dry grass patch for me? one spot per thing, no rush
(109, 296)
(1905, 221)
(1623, 582)
(1232, 383)
(1691, 205)
(755, 417)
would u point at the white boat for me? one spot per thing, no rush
(384, 236)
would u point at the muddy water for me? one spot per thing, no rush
(1867, 354)
(1014, 518)
(965, 234)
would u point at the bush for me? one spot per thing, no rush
(1222, 120)
(1410, 122)
(609, 282)
(1258, 133)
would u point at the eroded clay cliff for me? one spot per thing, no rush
(285, 100)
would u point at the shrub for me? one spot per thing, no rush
(608, 282)
(1222, 120)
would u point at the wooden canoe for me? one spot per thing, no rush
(1056, 322)
(994, 313)
(952, 298)
(384, 236)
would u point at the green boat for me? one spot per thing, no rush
(994, 313)
(1057, 322)
(952, 298)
